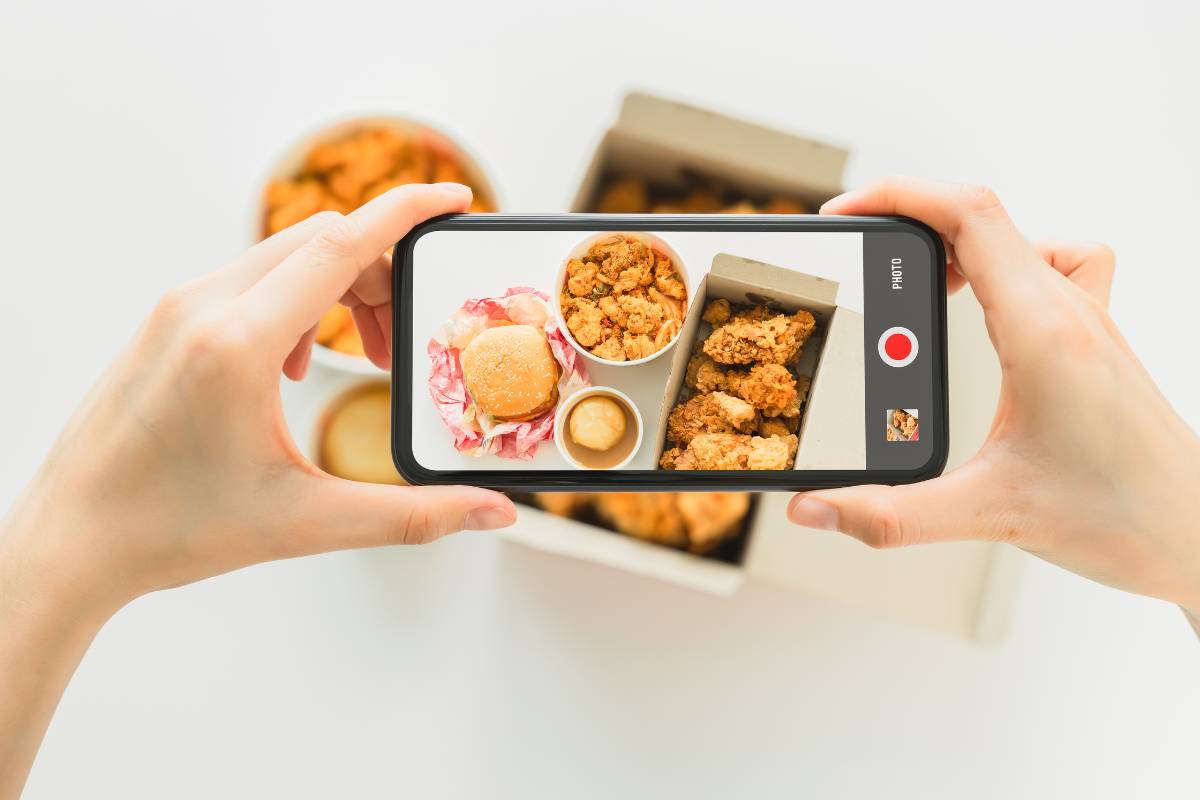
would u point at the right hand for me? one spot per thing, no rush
(1086, 465)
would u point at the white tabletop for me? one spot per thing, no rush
(133, 138)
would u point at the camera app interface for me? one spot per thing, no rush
(671, 350)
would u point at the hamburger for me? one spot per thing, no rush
(510, 372)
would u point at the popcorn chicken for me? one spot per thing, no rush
(581, 277)
(637, 346)
(611, 349)
(586, 323)
(342, 174)
(625, 289)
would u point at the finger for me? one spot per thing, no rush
(959, 505)
(343, 514)
(295, 366)
(990, 251)
(1088, 265)
(374, 344)
(248, 268)
(289, 299)
(374, 286)
(955, 280)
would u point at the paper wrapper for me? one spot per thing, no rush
(476, 433)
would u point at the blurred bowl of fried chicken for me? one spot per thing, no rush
(708, 524)
(341, 166)
(622, 297)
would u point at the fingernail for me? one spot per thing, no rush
(813, 513)
(487, 519)
(456, 188)
(841, 198)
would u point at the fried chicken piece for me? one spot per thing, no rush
(892, 436)
(586, 323)
(611, 349)
(774, 426)
(700, 200)
(768, 387)
(801, 325)
(711, 517)
(673, 308)
(774, 452)
(904, 422)
(747, 339)
(626, 195)
(581, 277)
(637, 346)
(716, 312)
(738, 451)
(783, 205)
(652, 517)
(753, 314)
(666, 278)
(620, 255)
(641, 316)
(676, 458)
(563, 504)
(612, 309)
(704, 375)
(715, 412)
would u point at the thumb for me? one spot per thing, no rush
(958, 505)
(345, 514)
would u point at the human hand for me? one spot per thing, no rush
(179, 464)
(1086, 464)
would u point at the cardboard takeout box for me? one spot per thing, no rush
(831, 433)
(962, 588)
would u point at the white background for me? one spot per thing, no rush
(486, 263)
(133, 138)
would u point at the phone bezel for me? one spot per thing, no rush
(656, 480)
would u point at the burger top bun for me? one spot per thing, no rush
(510, 372)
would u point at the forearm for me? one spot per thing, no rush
(46, 626)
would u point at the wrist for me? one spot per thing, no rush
(44, 575)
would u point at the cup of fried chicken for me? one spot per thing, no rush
(622, 297)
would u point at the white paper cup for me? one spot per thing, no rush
(580, 250)
(563, 414)
(291, 161)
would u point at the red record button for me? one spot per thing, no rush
(898, 347)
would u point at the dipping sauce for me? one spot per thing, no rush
(601, 431)
(355, 436)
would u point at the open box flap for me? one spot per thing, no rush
(960, 588)
(734, 147)
(790, 281)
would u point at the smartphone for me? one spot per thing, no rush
(644, 352)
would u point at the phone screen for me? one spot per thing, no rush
(669, 352)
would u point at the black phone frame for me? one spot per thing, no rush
(657, 479)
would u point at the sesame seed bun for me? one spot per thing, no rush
(510, 372)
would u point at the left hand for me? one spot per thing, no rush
(179, 464)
